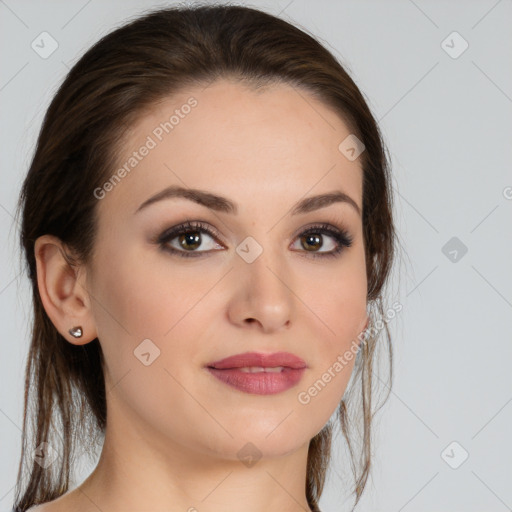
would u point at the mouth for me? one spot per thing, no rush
(259, 369)
(260, 360)
(258, 373)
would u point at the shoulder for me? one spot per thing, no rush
(51, 506)
(60, 504)
(71, 500)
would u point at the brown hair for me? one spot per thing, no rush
(103, 95)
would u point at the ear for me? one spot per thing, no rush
(62, 290)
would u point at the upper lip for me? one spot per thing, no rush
(248, 359)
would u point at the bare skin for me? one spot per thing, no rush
(174, 431)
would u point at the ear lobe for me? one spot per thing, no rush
(64, 298)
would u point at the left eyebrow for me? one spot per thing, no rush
(222, 204)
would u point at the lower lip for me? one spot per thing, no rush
(259, 383)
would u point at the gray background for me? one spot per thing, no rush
(447, 124)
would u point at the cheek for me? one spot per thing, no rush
(139, 301)
(338, 297)
(340, 305)
(135, 304)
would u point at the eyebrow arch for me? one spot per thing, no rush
(222, 204)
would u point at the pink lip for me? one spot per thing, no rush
(262, 383)
(259, 359)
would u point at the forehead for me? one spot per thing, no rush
(273, 144)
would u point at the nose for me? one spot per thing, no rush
(263, 296)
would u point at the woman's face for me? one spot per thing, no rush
(263, 281)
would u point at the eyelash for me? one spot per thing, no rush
(342, 237)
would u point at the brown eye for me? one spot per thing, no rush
(311, 242)
(190, 241)
(185, 239)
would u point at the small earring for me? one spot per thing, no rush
(76, 331)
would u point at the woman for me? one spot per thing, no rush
(207, 224)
